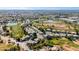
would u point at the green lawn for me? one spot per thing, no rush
(54, 41)
(62, 41)
(17, 31)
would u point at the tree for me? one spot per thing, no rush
(76, 29)
(4, 28)
(34, 35)
(1, 41)
(15, 48)
(42, 30)
(49, 37)
(22, 19)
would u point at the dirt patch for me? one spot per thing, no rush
(76, 42)
(69, 48)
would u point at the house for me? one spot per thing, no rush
(1, 30)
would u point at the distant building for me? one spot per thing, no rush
(74, 18)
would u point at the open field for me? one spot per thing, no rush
(16, 31)
(57, 25)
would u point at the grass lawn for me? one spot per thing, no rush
(62, 41)
(17, 31)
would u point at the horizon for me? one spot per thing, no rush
(39, 8)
